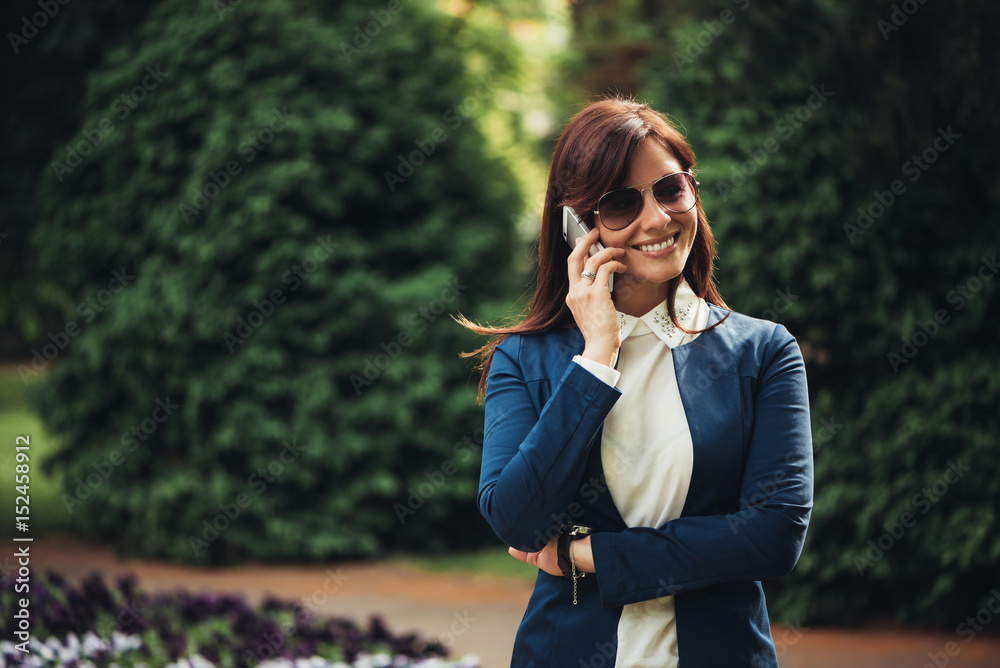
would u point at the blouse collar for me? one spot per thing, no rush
(657, 320)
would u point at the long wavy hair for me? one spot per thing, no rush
(591, 158)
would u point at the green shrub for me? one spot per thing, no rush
(265, 248)
(801, 114)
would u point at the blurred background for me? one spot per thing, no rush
(233, 234)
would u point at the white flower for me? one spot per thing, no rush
(123, 643)
(431, 662)
(276, 663)
(315, 662)
(92, 644)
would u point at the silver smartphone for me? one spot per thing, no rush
(573, 228)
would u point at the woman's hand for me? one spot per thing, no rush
(590, 300)
(548, 560)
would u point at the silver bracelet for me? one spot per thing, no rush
(572, 563)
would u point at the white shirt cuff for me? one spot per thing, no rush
(604, 373)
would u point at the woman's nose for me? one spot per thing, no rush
(651, 214)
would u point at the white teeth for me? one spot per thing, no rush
(652, 248)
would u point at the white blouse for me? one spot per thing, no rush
(647, 454)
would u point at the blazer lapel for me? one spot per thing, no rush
(708, 377)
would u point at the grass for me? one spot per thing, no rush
(493, 561)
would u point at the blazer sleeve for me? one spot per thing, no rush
(762, 540)
(533, 462)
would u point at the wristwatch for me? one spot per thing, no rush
(569, 532)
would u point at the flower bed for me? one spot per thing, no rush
(94, 625)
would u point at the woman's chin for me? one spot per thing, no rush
(660, 275)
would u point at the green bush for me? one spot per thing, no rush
(275, 215)
(800, 115)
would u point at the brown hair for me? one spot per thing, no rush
(591, 158)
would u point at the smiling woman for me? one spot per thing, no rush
(656, 240)
(649, 437)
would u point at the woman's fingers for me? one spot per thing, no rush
(595, 262)
(605, 270)
(523, 556)
(588, 298)
(545, 559)
(603, 257)
(578, 256)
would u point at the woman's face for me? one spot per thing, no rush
(648, 269)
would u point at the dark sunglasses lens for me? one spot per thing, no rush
(619, 208)
(675, 192)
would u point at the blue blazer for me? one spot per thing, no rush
(743, 386)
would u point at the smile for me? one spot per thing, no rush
(652, 248)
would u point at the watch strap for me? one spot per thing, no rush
(567, 534)
(562, 552)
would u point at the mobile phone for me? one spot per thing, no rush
(573, 228)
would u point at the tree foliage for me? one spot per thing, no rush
(270, 234)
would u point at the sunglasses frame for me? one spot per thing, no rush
(651, 185)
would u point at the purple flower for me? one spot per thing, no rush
(56, 580)
(97, 593)
(127, 586)
(251, 635)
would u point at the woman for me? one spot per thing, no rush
(646, 448)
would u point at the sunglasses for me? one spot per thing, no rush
(676, 193)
